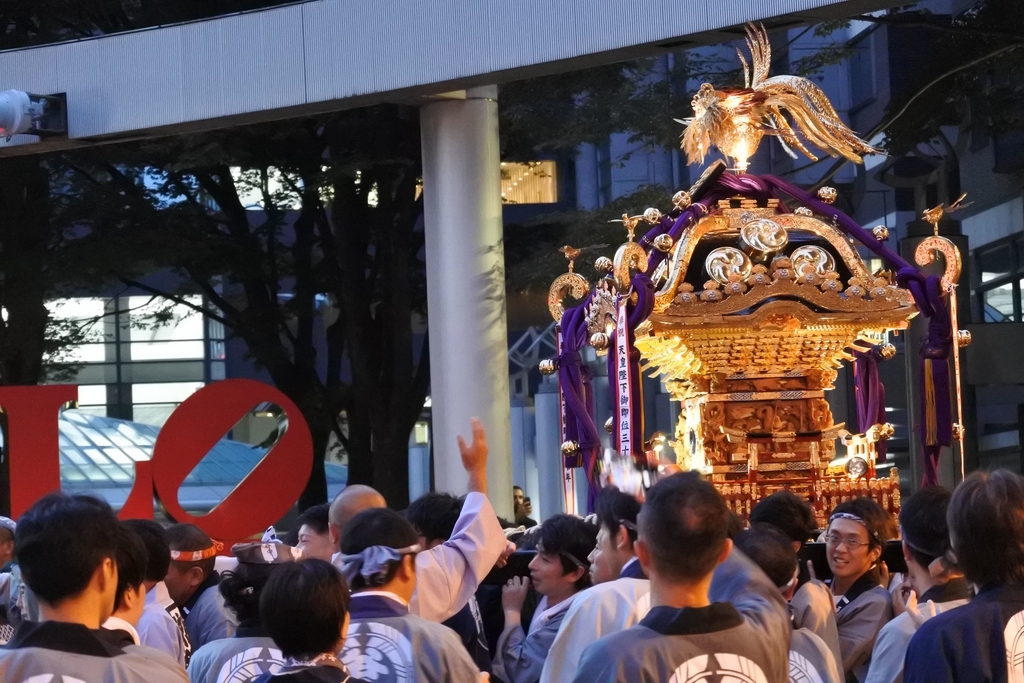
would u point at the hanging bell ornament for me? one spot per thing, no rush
(664, 243)
(652, 215)
(682, 200)
(886, 351)
(963, 338)
(958, 431)
(609, 424)
(547, 367)
(827, 194)
(880, 232)
(604, 265)
(599, 340)
(570, 448)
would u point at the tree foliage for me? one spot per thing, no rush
(323, 283)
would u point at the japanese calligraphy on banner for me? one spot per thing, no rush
(624, 388)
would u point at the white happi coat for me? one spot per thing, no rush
(162, 626)
(448, 575)
(602, 609)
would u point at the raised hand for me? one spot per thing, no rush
(474, 457)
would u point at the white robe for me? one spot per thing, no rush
(602, 609)
(448, 575)
(891, 645)
(159, 629)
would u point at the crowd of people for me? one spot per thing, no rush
(669, 588)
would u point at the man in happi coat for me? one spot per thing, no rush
(250, 652)
(385, 642)
(982, 641)
(67, 550)
(932, 585)
(683, 536)
(162, 625)
(192, 583)
(810, 659)
(448, 574)
(620, 596)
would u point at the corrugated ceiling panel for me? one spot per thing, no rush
(326, 50)
(201, 74)
(81, 75)
(261, 60)
(146, 98)
(339, 57)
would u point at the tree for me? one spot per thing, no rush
(353, 240)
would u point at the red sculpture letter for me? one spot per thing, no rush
(267, 493)
(33, 446)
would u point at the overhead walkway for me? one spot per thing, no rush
(334, 54)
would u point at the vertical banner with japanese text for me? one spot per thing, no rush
(624, 381)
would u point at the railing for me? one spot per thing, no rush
(524, 354)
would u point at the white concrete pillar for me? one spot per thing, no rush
(466, 286)
(550, 500)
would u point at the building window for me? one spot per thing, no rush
(531, 182)
(137, 357)
(999, 277)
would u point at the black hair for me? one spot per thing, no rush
(132, 561)
(771, 550)
(61, 541)
(303, 607)
(189, 537)
(158, 552)
(434, 515)
(879, 523)
(787, 512)
(685, 523)
(316, 518)
(377, 526)
(613, 507)
(923, 521)
(518, 488)
(243, 586)
(986, 527)
(736, 525)
(568, 536)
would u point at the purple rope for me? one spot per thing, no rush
(870, 396)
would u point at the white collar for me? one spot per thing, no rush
(159, 595)
(119, 624)
(383, 594)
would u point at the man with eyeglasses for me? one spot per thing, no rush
(560, 570)
(620, 596)
(984, 639)
(857, 532)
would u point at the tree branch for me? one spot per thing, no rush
(889, 20)
(882, 126)
(178, 300)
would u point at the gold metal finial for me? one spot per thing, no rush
(566, 284)
(935, 214)
(571, 254)
(630, 222)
